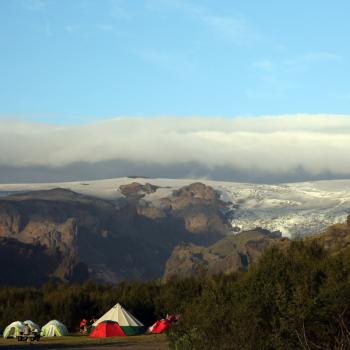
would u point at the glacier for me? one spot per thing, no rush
(294, 209)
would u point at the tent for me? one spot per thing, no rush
(13, 329)
(32, 325)
(159, 327)
(54, 328)
(127, 322)
(107, 329)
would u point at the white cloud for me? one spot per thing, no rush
(179, 63)
(268, 144)
(118, 9)
(41, 8)
(35, 5)
(105, 27)
(297, 62)
(264, 64)
(312, 57)
(235, 29)
(72, 28)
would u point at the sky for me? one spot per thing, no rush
(66, 61)
(198, 71)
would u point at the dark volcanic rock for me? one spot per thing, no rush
(335, 238)
(85, 237)
(137, 191)
(231, 254)
(25, 264)
(237, 252)
(59, 234)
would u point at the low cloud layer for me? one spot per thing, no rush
(259, 149)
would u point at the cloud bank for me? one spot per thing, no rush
(260, 149)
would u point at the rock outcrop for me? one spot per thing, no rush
(80, 237)
(237, 252)
(335, 238)
(151, 232)
(231, 254)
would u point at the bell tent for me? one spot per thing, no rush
(54, 328)
(13, 329)
(128, 324)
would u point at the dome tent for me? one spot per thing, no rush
(127, 322)
(106, 329)
(13, 329)
(32, 325)
(159, 326)
(54, 328)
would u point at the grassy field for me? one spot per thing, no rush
(142, 342)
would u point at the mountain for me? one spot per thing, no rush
(138, 228)
(25, 264)
(76, 236)
(294, 209)
(231, 254)
(236, 253)
(335, 238)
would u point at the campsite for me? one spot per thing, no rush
(311, 293)
(140, 342)
(116, 329)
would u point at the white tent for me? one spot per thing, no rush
(32, 325)
(127, 322)
(54, 328)
(13, 329)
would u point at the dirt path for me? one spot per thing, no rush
(73, 343)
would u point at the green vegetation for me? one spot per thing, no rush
(71, 303)
(296, 297)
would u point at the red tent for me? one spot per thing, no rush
(107, 329)
(160, 326)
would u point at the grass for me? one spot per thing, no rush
(152, 341)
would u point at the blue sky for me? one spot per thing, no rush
(64, 61)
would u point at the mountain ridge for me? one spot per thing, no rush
(151, 228)
(111, 240)
(292, 208)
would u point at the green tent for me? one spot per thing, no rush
(13, 329)
(127, 322)
(54, 328)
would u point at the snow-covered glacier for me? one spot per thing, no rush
(293, 209)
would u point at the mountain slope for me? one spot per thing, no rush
(237, 252)
(231, 254)
(294, 209)
(128, 228)
(108, 240)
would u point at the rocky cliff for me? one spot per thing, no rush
(149, 232)
(231, 254)
(236, 253)
(78, 237)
